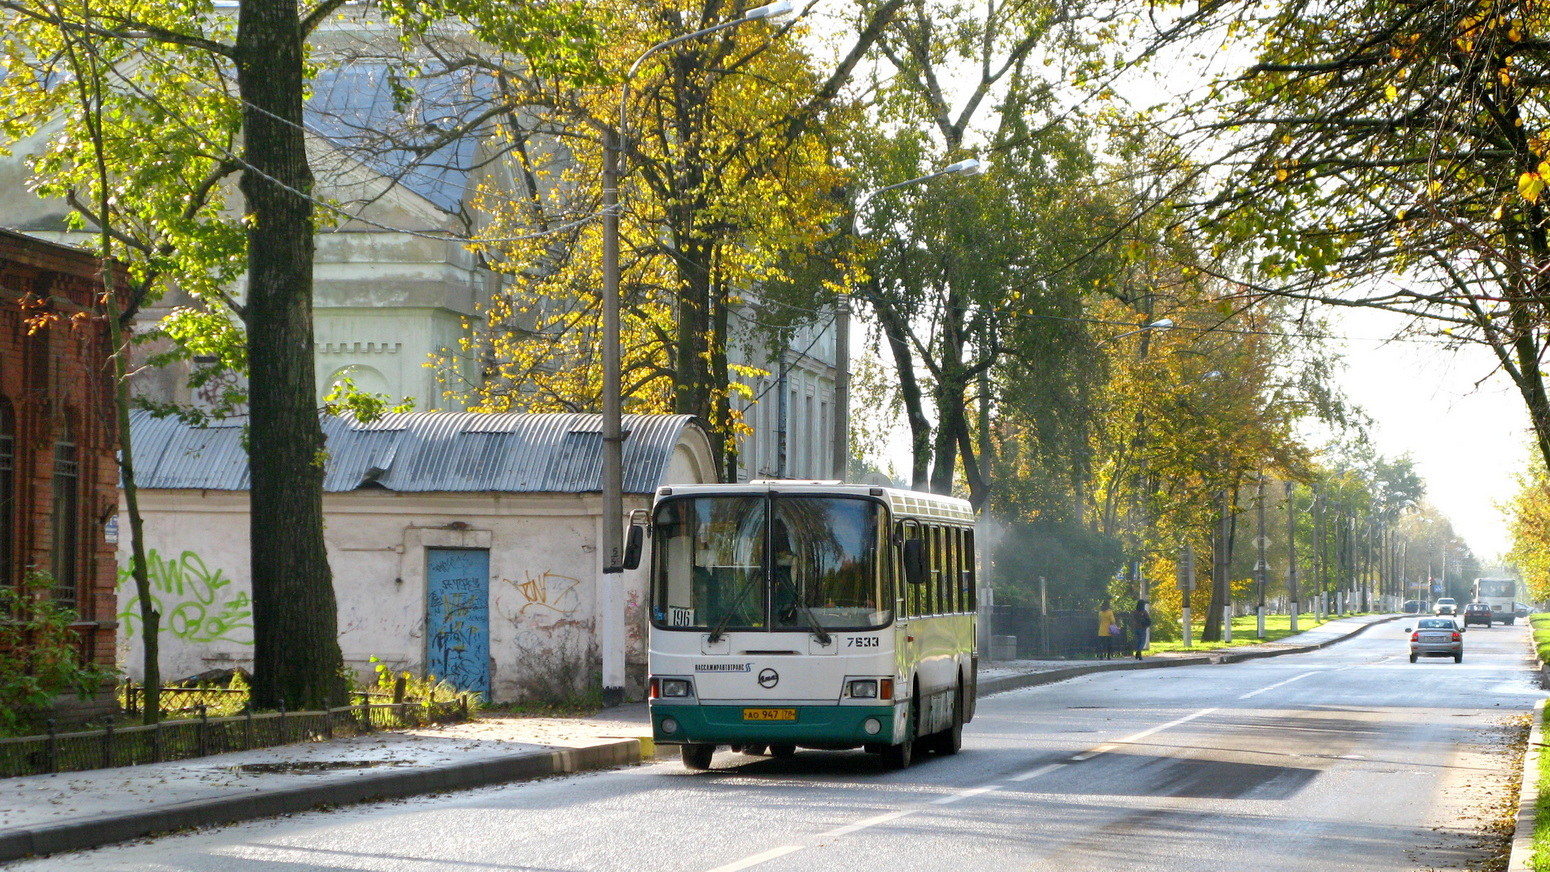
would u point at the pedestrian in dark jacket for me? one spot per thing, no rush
(1141, 627)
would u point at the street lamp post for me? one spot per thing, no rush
(613, 426)
(840, 449)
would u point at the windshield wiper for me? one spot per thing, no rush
(798, 606)
(721, 625)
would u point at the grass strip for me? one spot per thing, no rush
(1245, 632)
(1540, 857)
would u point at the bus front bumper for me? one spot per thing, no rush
(809, 725)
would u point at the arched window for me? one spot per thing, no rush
(67, 509)
(7, 495)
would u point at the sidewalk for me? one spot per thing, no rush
(47, 814)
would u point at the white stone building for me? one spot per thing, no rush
(463, 545)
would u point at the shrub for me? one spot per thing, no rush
(38, 653)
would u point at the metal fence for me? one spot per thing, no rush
(1062, 635)
(183, 738)
(176, 700)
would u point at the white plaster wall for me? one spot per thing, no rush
(543, 581)
(199, 575)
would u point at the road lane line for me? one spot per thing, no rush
(877, 820)
(748, 862)
(1130, 740)
(1046, 768)
(964, 794)
(863, 824)
(1254, 693)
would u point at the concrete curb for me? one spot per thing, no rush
(92, 832)
(1528, 797)
(1003, 683)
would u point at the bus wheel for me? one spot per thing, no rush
(697, 756)
(900, 756)
(951, 739)
(782, 750)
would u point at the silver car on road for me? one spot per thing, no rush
(1436, 637)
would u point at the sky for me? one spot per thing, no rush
(1468, 441)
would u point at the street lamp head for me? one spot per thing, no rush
(778, 9)
(1161, 324)
(966, 167)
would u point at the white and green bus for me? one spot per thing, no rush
(790, 614)
(1501, 595)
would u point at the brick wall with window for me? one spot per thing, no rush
(58, 478)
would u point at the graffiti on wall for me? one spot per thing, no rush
(197, 604)
(547, 594)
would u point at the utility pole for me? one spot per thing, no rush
(1260, 566)
(1219, 567)
(1187, 587)
(1291, 550)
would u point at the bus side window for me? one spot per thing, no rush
(933, 561)
(944, 561)
(950, 582)
(970, 577)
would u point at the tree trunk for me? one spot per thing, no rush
(297, 661)
(896, 333)
(951, 422)
(90, 83)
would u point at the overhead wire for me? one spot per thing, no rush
(348, 215)
(345, 152)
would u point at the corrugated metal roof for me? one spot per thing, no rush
(424, 451)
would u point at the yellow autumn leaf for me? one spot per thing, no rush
(1391, 92)
(1530, 185)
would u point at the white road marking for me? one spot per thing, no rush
(863, 824)
(1049, 767)
(878, 820)
(964, 794)
(748, 862)
(1254, 693)
(1129, 740)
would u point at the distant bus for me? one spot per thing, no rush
(811, 614)
(1501, 594)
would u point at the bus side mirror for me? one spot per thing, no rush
(915, 561)
(634, 543)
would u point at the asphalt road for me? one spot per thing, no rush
(1347, 758)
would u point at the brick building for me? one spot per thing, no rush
(58, 476)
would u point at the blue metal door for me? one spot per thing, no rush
(457, 617)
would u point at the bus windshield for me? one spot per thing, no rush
(751, 562)
(1498, 588)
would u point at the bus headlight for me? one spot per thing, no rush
(863, 688)
(677, 687)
